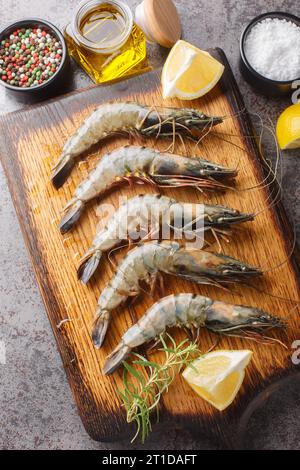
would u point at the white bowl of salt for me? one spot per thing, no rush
(270, 53)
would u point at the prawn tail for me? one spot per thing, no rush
(100, 327)
(62, 170)
(88, 265)
(116, 358)
(73, 212)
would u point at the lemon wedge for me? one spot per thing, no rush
(189, 72)
(218, 376)
(288, 128)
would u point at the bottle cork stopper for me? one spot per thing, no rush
(160, 21)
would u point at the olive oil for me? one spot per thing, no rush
(102, 24)
(105, 42)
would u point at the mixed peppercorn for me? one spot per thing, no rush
(29, 57)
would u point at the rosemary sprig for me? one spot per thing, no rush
(143, 390)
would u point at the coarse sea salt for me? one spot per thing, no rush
(272, 48)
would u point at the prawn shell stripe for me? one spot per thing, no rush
(132, 215)
(111, 118)
(148, 165)
(145, 262)
(191, 311)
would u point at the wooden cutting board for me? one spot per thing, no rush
(30, 143)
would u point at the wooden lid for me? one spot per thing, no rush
(163, 21)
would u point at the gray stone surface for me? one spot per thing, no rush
(36, 407)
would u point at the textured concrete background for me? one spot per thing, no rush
(36, 407)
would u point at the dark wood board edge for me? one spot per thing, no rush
(231, 90)
(82, 396)
(236, 100)
(97, 427)
(78, 91)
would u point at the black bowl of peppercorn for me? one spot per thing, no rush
(33, 57)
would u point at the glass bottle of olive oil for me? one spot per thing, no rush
(105, 42)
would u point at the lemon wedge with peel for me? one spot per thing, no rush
(218, 376)
(189, 72)
(288, 128)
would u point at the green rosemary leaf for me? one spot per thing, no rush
(169, 350)
(169, 337)
(163, 341)
(146, 363)
(134, 372)
(143, 396)
(125, 397)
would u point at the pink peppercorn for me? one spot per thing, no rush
(24, 61)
